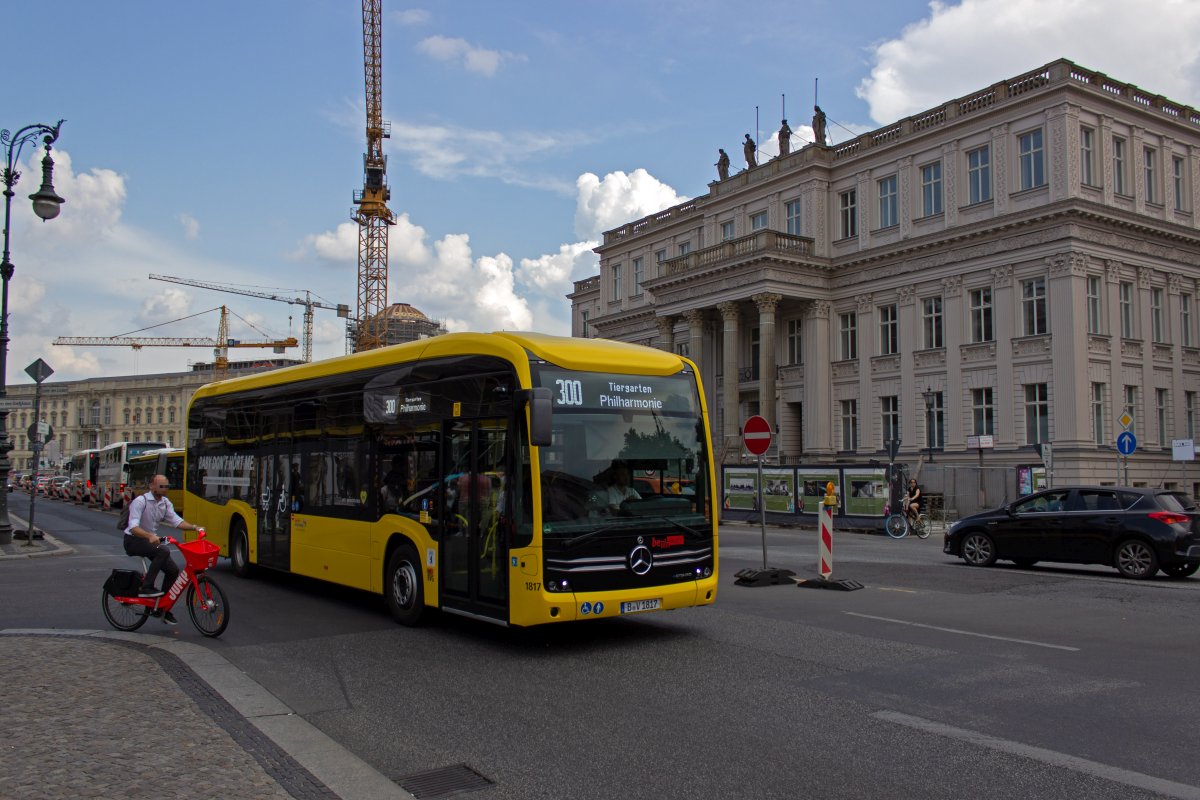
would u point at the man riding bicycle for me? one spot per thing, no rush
(146, 512)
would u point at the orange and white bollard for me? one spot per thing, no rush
(825, 550)
(107, 504)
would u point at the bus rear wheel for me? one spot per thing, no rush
(403, 588)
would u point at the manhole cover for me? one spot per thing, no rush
(443, 782)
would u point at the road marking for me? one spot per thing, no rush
(964, 633)
(1052, 757)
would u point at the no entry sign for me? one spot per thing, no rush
(756, 435)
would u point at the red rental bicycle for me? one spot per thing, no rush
(206, 602)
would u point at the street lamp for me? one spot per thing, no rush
(46, 205)
(930, 395)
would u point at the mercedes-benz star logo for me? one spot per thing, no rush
(640, 559)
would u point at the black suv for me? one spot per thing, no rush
(1138, 531)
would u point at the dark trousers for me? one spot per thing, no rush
(160, 559)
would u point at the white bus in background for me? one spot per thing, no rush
(112, 469)
(83, 468)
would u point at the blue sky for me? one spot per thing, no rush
(222, 140)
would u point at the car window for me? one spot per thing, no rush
(1186, 503)
(1046, 502)
(1170, 502)
(1098, 500)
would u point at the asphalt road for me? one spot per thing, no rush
(935, 681)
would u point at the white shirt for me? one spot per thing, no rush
(146, 513)
(619, 494)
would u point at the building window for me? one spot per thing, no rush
(1119, 165)
(1093, 304)
(848, 213)
(931, 189)
(616, 282)
(979, 174)
(1160, 407)
(1033, 306)
(935, 437)
(889, 330)
(758, 221)
(1033, 168)
(1185, 320)
(849, 424)
(1148, 158)
(583, 322)
(1131, 406)
(849, 335)
(1098, 413)
(792, 212)
(639, 275)
(755, 352)
(983, 412)
(887, 203)
(1037, 413)
(1189, 415)
(981, 314)
(95, 415)
(1157, 332)
(795, 341)
(931, 319)
(127, 416)
(1125, 291)
(1177, 171)
(107, 415)
(889, 417)
(727, 232)
(171, 411)
(685, 248)
(1087, 155)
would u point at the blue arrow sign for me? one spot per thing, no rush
(1126, 443)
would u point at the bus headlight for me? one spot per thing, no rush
(558, 586)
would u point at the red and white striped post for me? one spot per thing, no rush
(825, 559)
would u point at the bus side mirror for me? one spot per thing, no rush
(541, 412)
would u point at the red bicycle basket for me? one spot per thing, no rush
(200, 555)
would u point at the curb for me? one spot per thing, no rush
(342, 772)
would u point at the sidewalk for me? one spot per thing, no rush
(101, 714)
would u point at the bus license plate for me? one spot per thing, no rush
(641, 605)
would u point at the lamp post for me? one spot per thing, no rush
(929, 396)
(46, 205)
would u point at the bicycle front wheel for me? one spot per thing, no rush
(896, 526)
(123, 616)
(922, 527)
(207, 606)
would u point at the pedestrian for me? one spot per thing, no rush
(146, 513)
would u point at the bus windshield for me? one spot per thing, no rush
(626, 450)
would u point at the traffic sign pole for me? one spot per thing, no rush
(756, 437)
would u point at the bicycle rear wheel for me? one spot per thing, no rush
(123, 616)
(207, 606)
(896, 526)
(921, 529)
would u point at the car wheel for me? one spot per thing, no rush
(403, 587)
(1136, 559)
(1180, 570)
(1024, 563)
(239, 550)
(978, 550)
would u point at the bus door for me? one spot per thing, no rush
(274, 467)
(474, 567)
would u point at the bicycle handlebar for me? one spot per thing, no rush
(200, 534)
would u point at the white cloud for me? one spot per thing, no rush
(604, 204)
(554, 273)
(479, 60)
(412, 16)
(960, 48)
(191, 226)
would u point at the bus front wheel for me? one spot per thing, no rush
(239, 550)
(403, 587)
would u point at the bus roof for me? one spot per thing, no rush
(597, 355)
(156, 452)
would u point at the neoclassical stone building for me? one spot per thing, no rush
(1020, 263)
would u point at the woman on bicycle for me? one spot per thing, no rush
(913, 500)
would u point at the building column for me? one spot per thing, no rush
(729, 361)
(767, 404)
(1067, 296)
(666, 333)
(819, 422)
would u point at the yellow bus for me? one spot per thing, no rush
(166, 461)
(482, 474)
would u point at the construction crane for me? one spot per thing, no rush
(220, 345)
(372, 214)
(306, 301)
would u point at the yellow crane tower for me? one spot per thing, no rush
(309, 304)
(372, 213)
(220, 345)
